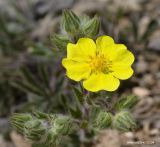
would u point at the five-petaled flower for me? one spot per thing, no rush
(100, 65)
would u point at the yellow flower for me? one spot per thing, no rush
(100, 65)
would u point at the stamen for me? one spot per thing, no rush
(99, 63)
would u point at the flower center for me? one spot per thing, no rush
(99, 63)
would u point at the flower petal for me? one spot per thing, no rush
(104, 44)
(81, 51)
(122, 73)
(76, 70)
(121, 56)
(101, 81)
(104, 41)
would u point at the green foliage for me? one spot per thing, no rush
(76, 27)
(124, 121)
(90, 27)
(44, 128)
(103, 120)
(63, 112)
(127, 102)
(18, 121)
(41, 95)
(35, 130)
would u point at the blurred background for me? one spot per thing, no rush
(31, 76)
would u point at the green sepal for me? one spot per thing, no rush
(90, 28)
(70, 22)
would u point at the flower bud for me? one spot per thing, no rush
(52, 137)
(70, 22)
(123, 121)
(63, 125)
(18, 120)
(91, 27)
(60, 41)
(35, 131)
(103, 120)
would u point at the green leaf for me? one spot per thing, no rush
(103, 120)
(29, 78)
(126, 102)
(59, 83)
(41, 115)
(79, 94)
(27, 88)
(43, 72)
(124, 121)
(18, 120)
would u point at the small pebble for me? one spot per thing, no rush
(140, 91)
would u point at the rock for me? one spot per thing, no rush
(18, 140)
(129, 135)
(157, 75)
(129, 5)
(4, 143)
(143, 110)
(142, 25)
(45, 27)
(154, 132)
(141, 65)
(140, 91)
(153, 10)
(157, 124)
(124, 23)
(148, 80)
(83, 6)
(41, 7)
(156, 88)
(153, 67)
(109, 138)
(154, 41)
(4, 125)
